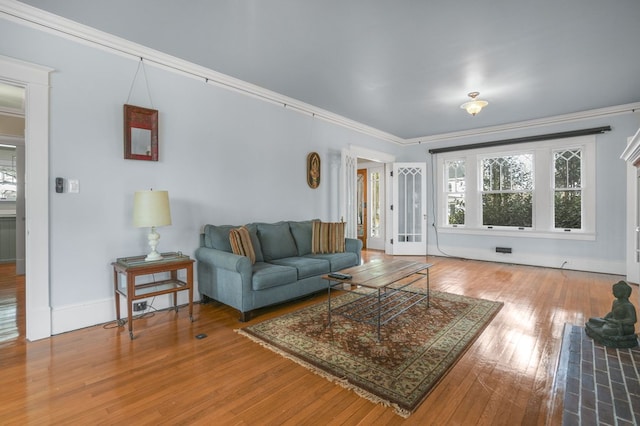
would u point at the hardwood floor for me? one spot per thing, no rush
(167, 376)
(12, 320)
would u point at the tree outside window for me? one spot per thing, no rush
(507, 191)
(568, 189)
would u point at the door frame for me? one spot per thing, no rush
(348, 180)
(35, 80)
(397, 247)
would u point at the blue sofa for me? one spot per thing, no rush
(285, 268)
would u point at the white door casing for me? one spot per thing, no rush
(348, 182)
(35, 79)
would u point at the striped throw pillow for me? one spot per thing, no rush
(327, 237)
(241, 243)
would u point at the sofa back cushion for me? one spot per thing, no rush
(276, 241)
(217, 237)
(301, 232)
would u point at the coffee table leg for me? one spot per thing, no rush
(329, 303)
(379, 309)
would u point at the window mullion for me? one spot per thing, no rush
(543, 194)
(474, 210)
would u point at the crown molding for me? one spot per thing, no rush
(33, 17)
(631, 153)
(45, 21)
(558, 119)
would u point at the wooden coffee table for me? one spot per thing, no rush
(382, 287)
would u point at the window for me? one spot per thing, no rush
(507, 190)
(455, 192)
(539, 189)
(568, 189)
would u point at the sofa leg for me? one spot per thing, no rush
(245, 316)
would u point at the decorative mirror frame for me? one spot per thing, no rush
(313, 170)
(145, 119)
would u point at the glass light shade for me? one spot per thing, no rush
(474, 107)
(151, 208)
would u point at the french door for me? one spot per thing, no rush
(408, 209)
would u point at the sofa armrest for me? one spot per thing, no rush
(222, 259)
(353, 245)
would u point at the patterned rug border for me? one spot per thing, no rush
(344, 382)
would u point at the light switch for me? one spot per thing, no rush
(74, 186)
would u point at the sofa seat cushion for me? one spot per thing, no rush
(306, 266)
(338, 261)
(267, 275)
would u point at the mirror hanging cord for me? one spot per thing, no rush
(146, 80)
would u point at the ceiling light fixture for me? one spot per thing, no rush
(474, 106)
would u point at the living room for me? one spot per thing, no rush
(227, 157)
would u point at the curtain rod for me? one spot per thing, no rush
(537, 138)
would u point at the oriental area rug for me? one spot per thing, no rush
(415, 350)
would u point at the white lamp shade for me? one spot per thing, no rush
(151, 208)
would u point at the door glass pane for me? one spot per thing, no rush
(410, 205)
(374, 210)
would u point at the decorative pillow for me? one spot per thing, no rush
(327, 237)
(241, 243)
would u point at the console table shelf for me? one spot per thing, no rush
(132, 267)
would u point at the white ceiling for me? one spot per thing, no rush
(404, 66)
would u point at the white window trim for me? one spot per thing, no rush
(543, 221)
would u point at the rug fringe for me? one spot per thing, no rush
(330, 377)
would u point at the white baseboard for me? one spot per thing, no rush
(38, 322)
(73, 317)
(547, 261)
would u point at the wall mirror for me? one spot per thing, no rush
(140, 133)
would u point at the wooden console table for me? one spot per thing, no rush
(132, 267)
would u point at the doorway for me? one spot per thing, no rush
(35, 80)
(363, 164)
(361, 203)
(12, 212)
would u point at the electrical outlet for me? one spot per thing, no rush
(140, 306)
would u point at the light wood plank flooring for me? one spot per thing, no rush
(98, 375)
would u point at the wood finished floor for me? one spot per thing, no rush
(98, 375)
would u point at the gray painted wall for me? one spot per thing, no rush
(609, 246)
(224, 158)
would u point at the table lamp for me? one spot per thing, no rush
(151, 208)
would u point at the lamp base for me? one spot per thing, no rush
(154, 255)
(153, 243)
